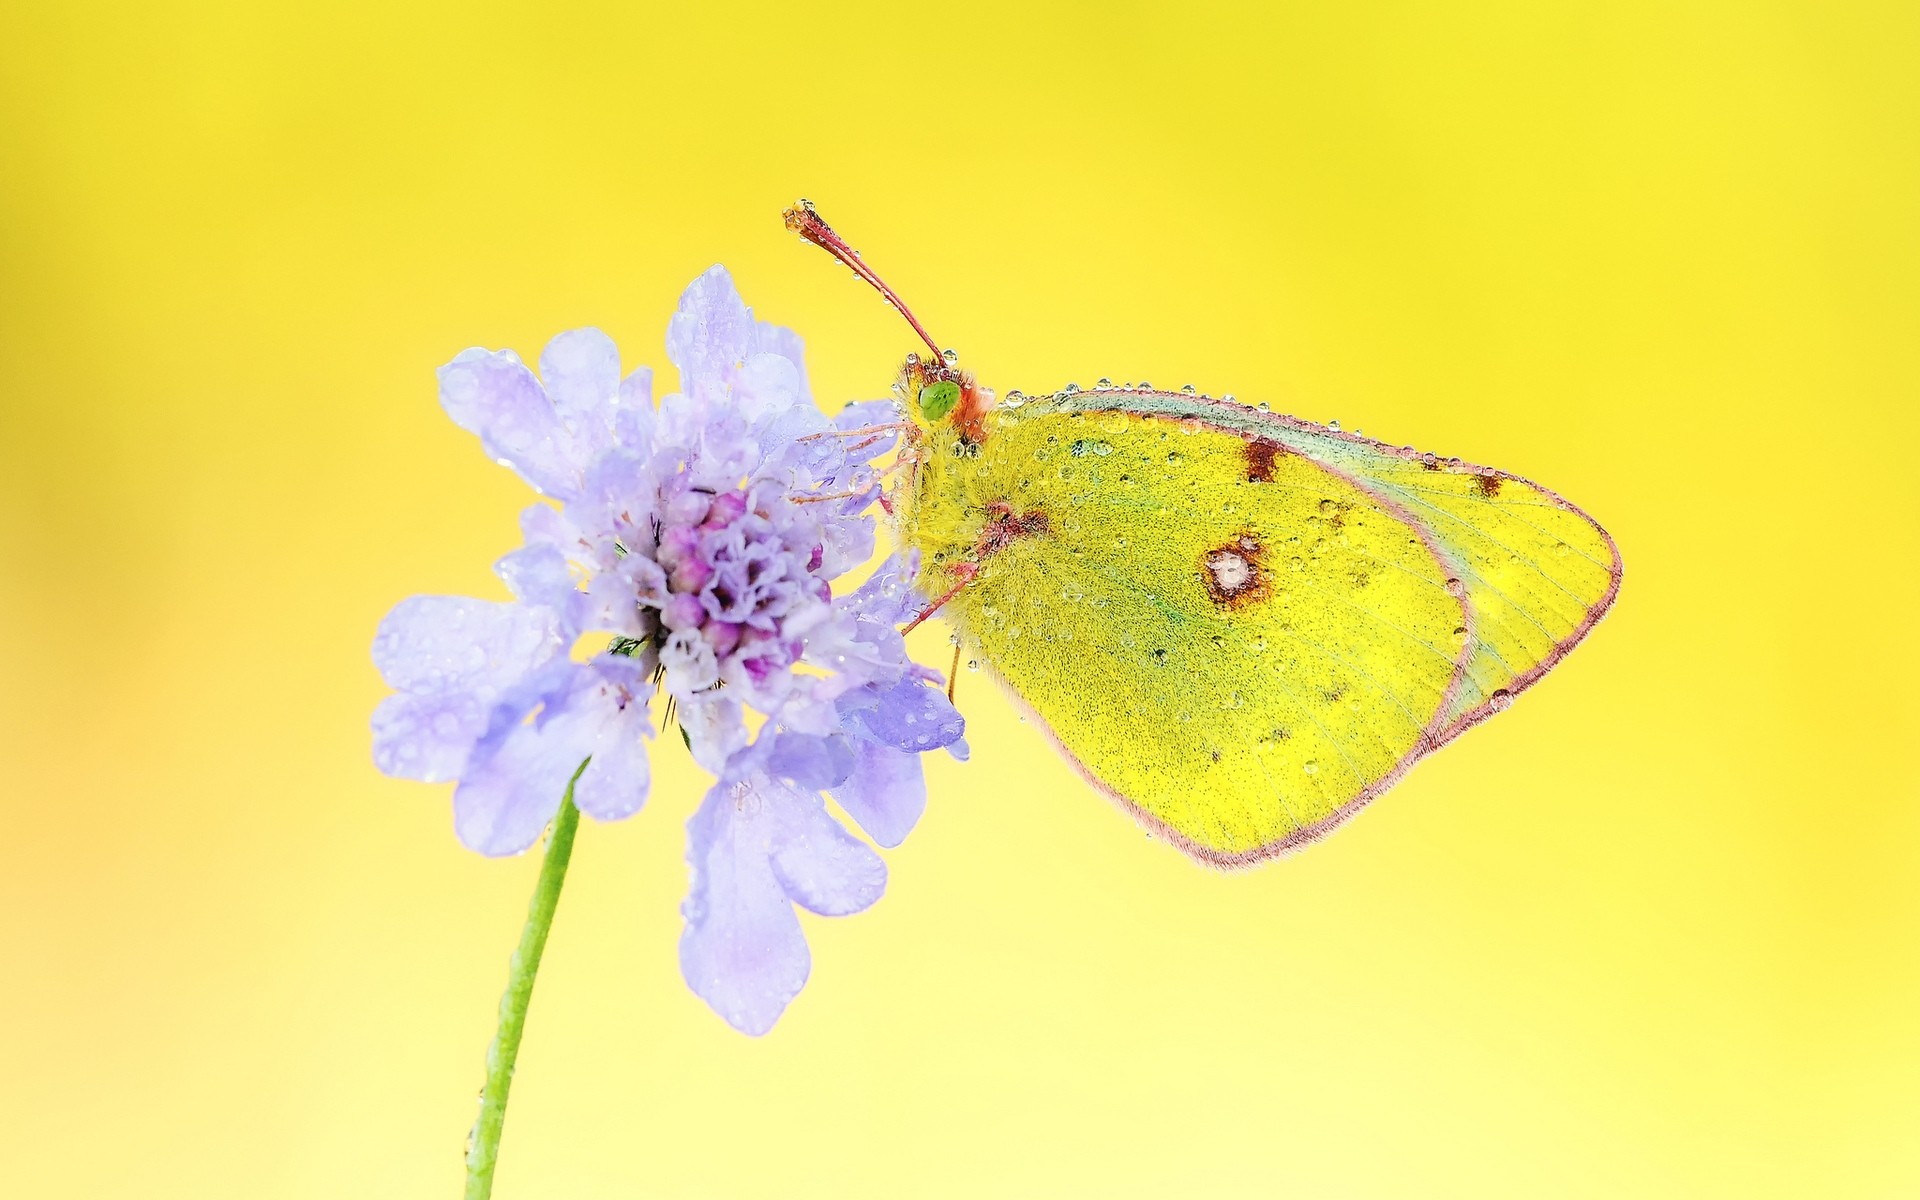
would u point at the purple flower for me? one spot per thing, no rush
(702, 541)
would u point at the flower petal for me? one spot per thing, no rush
(459, 644)
(495, 396)
(913, 717)
(862, 414)
(581, 372)
(888, 595)
(506, 797)
(742, 950)
(711, 331)
(765, 386)
(769, 338)
(633, 413)
(613, 724)
(809, 761)
(514, 780)
(821, 865)
(714, 727)
(886, 793)
(539, 576)
(427, 737)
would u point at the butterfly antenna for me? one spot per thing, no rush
(803, 220)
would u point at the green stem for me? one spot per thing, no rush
(483, 1144)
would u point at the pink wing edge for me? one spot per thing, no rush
(1438, 731)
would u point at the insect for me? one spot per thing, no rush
(1238, 625)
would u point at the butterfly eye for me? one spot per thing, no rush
(938, 399)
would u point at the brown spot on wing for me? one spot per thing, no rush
(1233, 572)
(1005, 526)
(1488, 485)
(1260, 459)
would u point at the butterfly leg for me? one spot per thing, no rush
(966, 571)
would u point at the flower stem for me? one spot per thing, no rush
(483, 1144)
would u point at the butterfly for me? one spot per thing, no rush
(1240, 626)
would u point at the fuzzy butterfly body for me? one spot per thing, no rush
(1240, 626)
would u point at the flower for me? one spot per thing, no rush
(701, 541)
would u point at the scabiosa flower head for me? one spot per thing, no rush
(700, 543)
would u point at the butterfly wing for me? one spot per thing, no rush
(1243, 627)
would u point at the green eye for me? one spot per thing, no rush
(938, 399)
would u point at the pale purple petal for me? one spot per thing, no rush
(742, 950)
(886, 793)
(507, 796)
(822, 866)
(765, 386)
(428, 737)
(513, 783)
(808, 761)
(711, 331)
(633, 415)
(769, 338)
(581, 371)
(888, 595)
(865, 414)
(538, 574)
(714, 727)
(912, 717)
(495, 396)
(610, 722)
(457, 643)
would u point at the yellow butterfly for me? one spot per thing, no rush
(1240, 626)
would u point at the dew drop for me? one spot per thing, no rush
(1229, 398)
(1501, 700)
(1103, 383)
(1071, 388)
(950, 357)
(1014, 399)
(1187, 389)
(973, 664)
(1333, 424)
(1456, 588)
(1145, 386)
(1263, 406)
(1310, 767)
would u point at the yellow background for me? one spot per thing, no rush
(1651, 933)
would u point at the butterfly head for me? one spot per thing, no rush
(939, 395)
